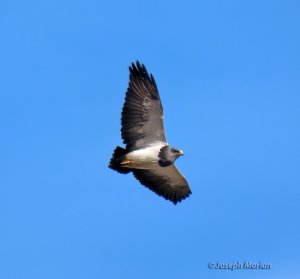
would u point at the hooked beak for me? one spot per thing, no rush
(180, 152)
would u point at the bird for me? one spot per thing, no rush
(147, 154)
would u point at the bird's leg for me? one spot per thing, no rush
(125, 163)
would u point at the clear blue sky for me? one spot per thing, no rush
(228, 74)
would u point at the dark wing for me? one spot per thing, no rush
(167, 182)
(142, 115)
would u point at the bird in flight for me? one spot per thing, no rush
(147, 154)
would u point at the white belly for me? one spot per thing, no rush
(146, 158)
(149, 154)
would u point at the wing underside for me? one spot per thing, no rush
(167, 182)
(142, 115)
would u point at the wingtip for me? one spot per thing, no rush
(181, 198)
(136, 65)
(138, 69)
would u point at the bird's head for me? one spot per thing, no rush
(168, 155)
(176, 153)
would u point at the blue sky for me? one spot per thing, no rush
(228, 74)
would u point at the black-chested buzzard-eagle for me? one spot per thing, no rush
(148, 155)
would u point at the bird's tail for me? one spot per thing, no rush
(115, 161)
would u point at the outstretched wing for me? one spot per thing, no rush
(167, 182)
(142, 115)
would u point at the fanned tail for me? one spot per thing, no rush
(115, 161)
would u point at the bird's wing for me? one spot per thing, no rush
(142, 115)
(167, 182)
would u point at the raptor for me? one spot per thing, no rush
(147, 154)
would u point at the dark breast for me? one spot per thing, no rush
(165, 156)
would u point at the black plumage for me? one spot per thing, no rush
(147, 152)
(142, 121)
